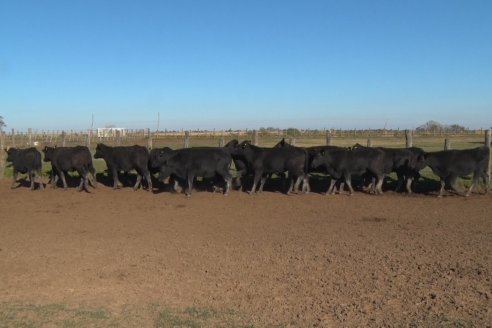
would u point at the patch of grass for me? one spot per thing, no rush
(61, 315)
(195, 317)
(51, 315)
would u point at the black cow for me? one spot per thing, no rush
(242, 168)
(126, 158)
(343, 163)
(188, 163)
(405, 162)
(66, 159)
(25, 161)
(267, 161)
(448, 165)
(312, 151)
(155, 168)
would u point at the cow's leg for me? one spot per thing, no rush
(93, 181)
(262, 183)
(14, 179)
(228, 185)
(40, 181)
(228, 181)
(86, 181)
(116, 181)
(54, 181)
(237, 183)
(298, 183)
(348, 181)
(486, 181)
(191, 177)
(306, 188)
(83, 176)
(378, 189)
(139, 181)
(476, 179)
(340, 187)
(176, 186)
(64, 181)
(409, 184)
(256, 179)
(148, 179)
(443, 184)
(331, 186)
(291, 184)
(31, 179)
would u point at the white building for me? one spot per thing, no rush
(110, 132)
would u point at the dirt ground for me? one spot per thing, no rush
(241, 260)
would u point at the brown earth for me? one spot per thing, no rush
(273, 259)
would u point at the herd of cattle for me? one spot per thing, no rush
(183, 165)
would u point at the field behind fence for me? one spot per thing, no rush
(429, 141)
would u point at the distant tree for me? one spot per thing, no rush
(430, 126)
(455, 128)
(2, 123)
(292, 132)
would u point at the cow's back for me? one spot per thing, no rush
(27, 160)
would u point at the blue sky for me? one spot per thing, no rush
(245, 64)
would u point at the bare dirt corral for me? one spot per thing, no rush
(262, 260)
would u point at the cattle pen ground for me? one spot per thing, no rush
(119, 258)
(125, 259)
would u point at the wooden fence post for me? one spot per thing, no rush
(64, 137)
(255, 138)
(89, 137)
(149, 139)
(30, 137)
(328, 138)
(487, 144)
(447, 144)
(408, 138)
(369, 142)
(187, 139)
(13, 137)
(2, 156)
(118, 138)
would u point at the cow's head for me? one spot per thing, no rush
(231, 144)
(318, 158)
(100, 150)
(10, 153)
(159, 156)
(281, 144)
(244, 145)
(48, 153)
